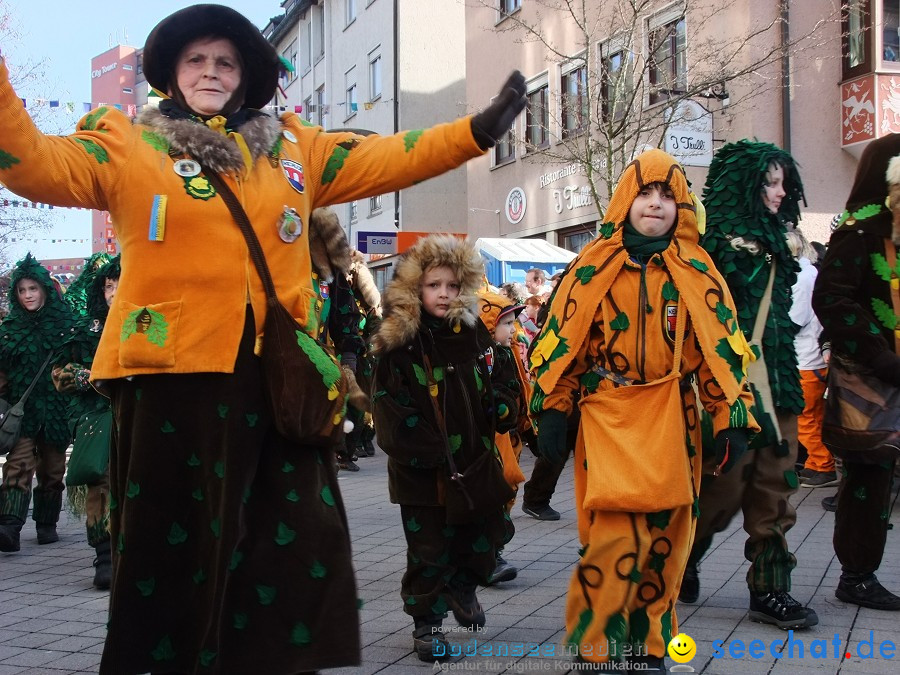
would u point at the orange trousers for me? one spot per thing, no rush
(809, 423)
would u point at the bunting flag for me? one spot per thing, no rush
(71, 106)
(25, 204)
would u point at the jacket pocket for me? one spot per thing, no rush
(148, 334)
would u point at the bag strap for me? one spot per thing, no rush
(759, 326)
(35, 380)
(891, 255)
(243, 222)
(680, 326)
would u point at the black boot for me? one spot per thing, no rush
(103, 566)
(503, 571)
(46, 533)
(10, 526)
(429, 642)
(690, 584)
(866, 591)
(780, 609)
(466, 609)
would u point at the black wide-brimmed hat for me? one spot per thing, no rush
(172, 34)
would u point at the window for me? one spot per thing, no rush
(890, 34)
(353, 212)
(127, 90)
(306, 48)
(537, 114)
(505, 148)
(575, 104)
(320, 106)
(350, 104)
(351, 11)
(125, 66)
(382, 276)
(507, 7)
(668, 58)
(308, 109)
(290, 55)
(616, 81)
(577, 238)
(374, 76)
(375, 204)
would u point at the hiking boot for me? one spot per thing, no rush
(10, 526)
(690, 584)
(867, 592)
(503, 571)
(545, 512)
(103, 566)
(46, 533)
(466, 609)
(811, 478)
(429, 642)
(348, 465)
(780, 609)
(830, 503)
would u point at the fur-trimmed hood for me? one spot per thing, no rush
(364, 284)
(329, 249)
(402, 303)
(210, 148)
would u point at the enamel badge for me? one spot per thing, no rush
(290, 226)
(289, 135)
(199, 188)
(186, 168)
(293, 171)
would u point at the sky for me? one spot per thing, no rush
(63, 36)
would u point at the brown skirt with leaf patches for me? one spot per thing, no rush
(231, 551)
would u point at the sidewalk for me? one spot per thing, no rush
(53, 621)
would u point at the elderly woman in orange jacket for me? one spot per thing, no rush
(231, 550)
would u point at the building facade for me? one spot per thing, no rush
(534, 183)
(381, 66)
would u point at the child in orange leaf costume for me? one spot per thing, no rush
(635, 318)
(498, 314)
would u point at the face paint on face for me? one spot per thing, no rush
(208, 71)
(653, 211)
(109, 290)
(439, 288)
(31, 295)
(773, 189)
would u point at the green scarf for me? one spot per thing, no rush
(642, 246)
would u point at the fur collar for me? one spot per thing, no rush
(209, 147)
(328, 245)
(402, 306)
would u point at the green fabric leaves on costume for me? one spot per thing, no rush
(733, 197)
(26, 340)
(7, 160)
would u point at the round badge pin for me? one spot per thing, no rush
(289, 135)
(186, 168)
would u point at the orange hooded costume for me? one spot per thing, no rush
(614, 322)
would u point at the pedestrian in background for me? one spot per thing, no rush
(852, 299)
(818, 469)
(231, 552)
(440, 391)
(535, 281)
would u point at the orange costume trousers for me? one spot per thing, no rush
(809, 423)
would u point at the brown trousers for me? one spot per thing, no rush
(30, 457)
(760, 485)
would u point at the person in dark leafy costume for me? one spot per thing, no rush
(27, 338)
(752, 195)
(852, 299)
(77, 293)
(71, 375)
(231, 551)
(336, 311)
(444, 562)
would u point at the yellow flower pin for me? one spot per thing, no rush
(741, 347)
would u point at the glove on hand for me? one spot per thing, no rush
(348, 359)
(495, 120)
(731, 444)
(552, 436)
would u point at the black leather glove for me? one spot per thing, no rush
(495, 120)
(731, 444)
(552, 436)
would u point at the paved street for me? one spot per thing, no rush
(52, 620)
